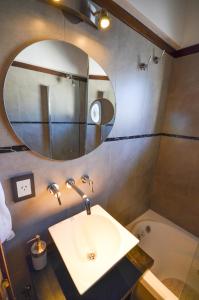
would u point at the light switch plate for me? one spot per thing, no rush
(23, 187)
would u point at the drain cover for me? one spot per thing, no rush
(91, 255)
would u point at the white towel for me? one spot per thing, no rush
(6, 232)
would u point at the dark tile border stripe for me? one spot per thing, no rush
(11, 149)
(179, 136)
(19, 148)
(131, 137)
(55, 122)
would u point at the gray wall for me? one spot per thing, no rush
(175, 192)
(121, 170)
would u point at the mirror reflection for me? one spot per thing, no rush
(52, 91)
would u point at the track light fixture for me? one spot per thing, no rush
(82, 11)
(104, 21)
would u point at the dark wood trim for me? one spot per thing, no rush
(5, 273)
(37, 69)
(186, 51)
(98, 77)
(128, 19)
(125, 17)
(45, 70)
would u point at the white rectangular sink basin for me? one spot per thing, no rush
(90, 245)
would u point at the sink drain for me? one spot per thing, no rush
(91, 255)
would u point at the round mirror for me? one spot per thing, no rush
(58, 100)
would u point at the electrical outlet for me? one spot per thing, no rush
(23, 187)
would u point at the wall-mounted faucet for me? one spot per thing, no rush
(70, 183)
(53, 188)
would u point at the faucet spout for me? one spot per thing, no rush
(70, 183)
(87, 205)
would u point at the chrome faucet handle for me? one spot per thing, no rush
(86, 179)
(70, 182)
(53, 188)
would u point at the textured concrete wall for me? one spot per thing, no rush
(122, 170)
(175, 190)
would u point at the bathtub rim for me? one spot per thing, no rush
(151, 216)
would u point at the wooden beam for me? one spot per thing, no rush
(98, 77)
(125, 17)
(46, 70)
(186, 51)
(128, 19)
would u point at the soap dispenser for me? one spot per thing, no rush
(38, 253)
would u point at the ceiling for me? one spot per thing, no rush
(175, 21)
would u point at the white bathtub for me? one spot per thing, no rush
(171, 247)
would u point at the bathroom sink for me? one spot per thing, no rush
(90, 245)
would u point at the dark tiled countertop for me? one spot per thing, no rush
(55, 283)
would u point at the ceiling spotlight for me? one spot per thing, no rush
(104, 21)
(56, 1)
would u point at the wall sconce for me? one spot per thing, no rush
(70, 77)
(157, 59)
(144, 66)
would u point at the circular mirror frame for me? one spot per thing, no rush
(21, 138)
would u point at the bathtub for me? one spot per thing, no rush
(172, 249)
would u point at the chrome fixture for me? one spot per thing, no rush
(70, 183)
(104, 21)
(75, 11)
(86, 179)
(53, 188)
(70, 77)
(83, 11)
(157, 59)
(144, 66)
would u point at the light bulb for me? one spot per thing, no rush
(104, 21)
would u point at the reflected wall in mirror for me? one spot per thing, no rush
(49, 92)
